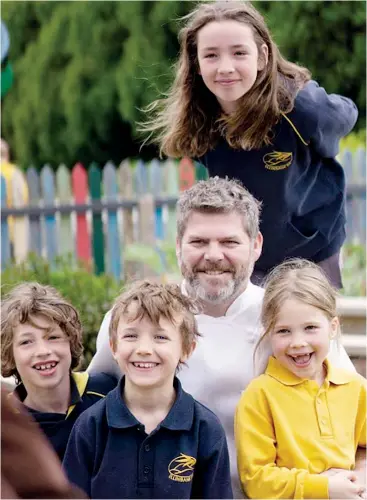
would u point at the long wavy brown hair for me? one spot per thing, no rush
(188, 121)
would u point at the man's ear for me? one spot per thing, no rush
(258, 245)
(178, 251)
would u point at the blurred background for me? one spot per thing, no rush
(84, 207)
(83, 70)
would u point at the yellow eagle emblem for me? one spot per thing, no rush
(181, 468)
(277, 160)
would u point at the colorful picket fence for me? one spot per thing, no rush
(94, 214)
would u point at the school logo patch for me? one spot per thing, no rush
(181, 468)
(277, 160)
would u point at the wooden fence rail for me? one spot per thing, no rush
(94, 214)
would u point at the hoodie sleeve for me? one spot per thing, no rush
(326, 118)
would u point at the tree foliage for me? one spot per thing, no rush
(84, 70)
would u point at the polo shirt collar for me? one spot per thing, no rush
(334, 375)
(21, 391)
(180, 416)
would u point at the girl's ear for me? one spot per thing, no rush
(263, 57)
(334, 327)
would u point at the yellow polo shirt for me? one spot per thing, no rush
(288, 430)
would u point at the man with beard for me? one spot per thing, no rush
(218, 243)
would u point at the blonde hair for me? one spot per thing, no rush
(217, 195)
(156, 301)
(297, 279)
(189, 120)
(20, 306)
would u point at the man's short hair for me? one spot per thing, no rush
(20, 306)
(156, 301)
(219, 196)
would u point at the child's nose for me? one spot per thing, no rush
(298, 340)
(43, 349)
(144, 347)
(225, 65)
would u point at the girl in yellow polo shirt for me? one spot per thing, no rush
(303, 416)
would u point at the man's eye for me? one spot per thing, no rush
(231, 242)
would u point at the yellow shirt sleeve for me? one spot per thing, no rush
(361, 416)
(256, 454)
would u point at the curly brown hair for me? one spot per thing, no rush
(189, 120)
(20, 306)
(156, 301)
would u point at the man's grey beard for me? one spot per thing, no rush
(196, 290)
(231, 290)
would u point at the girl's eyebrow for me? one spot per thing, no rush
(25, 334)
(236, 46)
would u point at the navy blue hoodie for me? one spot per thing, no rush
(297, 178)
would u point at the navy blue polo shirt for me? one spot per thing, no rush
(109, 455)
(85, 390)
(297, 178)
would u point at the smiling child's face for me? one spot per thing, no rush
(41, 353)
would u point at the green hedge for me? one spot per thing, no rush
(92, 295)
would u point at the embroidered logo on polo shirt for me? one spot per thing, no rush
(181, 468)
(277, 160)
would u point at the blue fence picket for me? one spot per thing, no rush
(156, 185)
(141, 179)
(48, 190)
(35, 235)
(5, 240)
(110, 189)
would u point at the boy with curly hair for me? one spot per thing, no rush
(41, 346)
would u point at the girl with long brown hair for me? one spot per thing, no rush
(241, 109)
